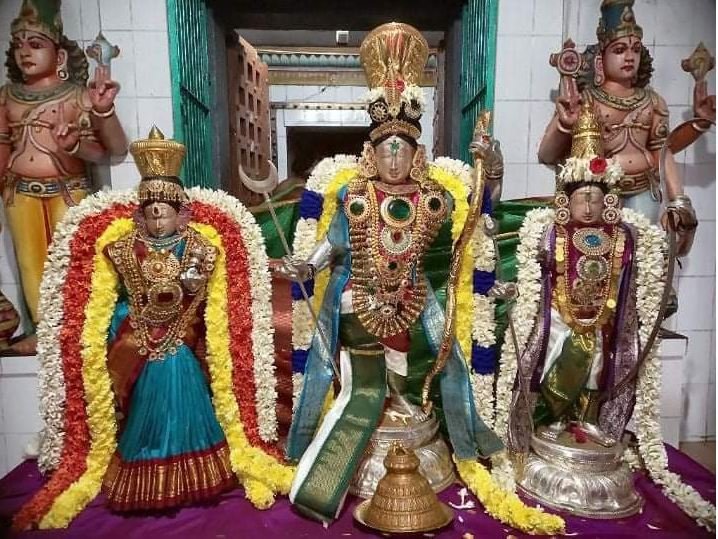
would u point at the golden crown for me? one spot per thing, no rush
(159, 161)
(393, 51)
(157, 156)
(586, 139)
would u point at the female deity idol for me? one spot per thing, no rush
(52, 125)
(382, 312)
(633, 117)
(171, 438)
(159, 390)
(592, 282)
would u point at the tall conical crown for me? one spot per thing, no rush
(393, 56)
(41, 16)
(586, 142)
(159, 161)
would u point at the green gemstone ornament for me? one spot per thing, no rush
(399, 209)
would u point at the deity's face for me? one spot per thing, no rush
(160, 219)
(586, 205)
(36, 55)
(621, 59)
(393, 160)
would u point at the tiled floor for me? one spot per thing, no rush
(703, 452)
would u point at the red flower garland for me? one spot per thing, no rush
(239, 312)
(76, 293)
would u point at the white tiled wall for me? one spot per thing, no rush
(280, 93)
(524, 85)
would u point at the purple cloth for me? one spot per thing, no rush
(234, 516)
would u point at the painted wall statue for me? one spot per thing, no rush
(157, 423)
(613, 77)
(52, 126)
(387, 229)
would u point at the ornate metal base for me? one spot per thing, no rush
(420, 435)
(585, 479)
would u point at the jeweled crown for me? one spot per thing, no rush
(41, 16)
(157, 156)
(159, 161)
(393, 56)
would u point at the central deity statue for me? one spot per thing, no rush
(380, 306)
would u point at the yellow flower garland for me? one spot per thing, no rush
(506, 506)
(97, 383)
(261, 474)
(464, 290)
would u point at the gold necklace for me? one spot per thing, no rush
(608, 294)
(639, 97)
(388, 282)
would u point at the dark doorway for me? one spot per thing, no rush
(306, 146)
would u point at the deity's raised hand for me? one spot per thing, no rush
(66, 134)
(567, 110)
(103, 90)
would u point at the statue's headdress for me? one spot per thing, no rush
(159, 161)
(587, 162)
(617, 21)
(41, 16)
(393, 56)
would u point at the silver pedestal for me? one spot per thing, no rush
(585, 479)
(420, 435)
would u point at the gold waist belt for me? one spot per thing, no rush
(633, 184)
(46, 187)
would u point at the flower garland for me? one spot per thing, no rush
(85, 436)
(524, 311)
(97, 382)
(261, 474)
(254, 369)
(504, 505)
(409, 93)
(596, 169)
(650, 281)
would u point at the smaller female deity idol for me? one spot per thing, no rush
(171, 442)
(575, 387)
(52, 125)
(613, 78)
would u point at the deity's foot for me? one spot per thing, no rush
(596, 435)
(26, 346)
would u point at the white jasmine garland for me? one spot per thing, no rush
(650, 280)
(411, 92)
(577, 169)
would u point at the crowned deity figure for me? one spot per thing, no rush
(52, 126)
(613, 76)
(576, 379)
(379, 222)
(155, 344)
(164, 329)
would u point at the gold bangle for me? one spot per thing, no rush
(105, 114)
(74, 149)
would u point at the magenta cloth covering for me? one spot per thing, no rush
(234, 517)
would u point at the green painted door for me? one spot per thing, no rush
(187, 22)
(478, 65)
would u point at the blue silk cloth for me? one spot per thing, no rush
(171, 410)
